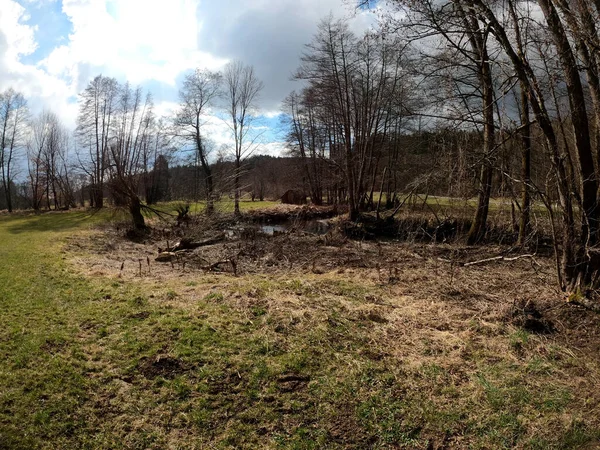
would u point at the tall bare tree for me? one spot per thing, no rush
(200, 89)
(53, 158)
(452, 41)
(13, 116)
(308, 140)
(155, 162)
(134, 126)
(36, 145)
(49, 174)
(241, 91)
(97, 105)
(353, 102)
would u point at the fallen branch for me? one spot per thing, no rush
(585, 303)
(213, 266)
(497, 258)
(188, 244)
(165, 257)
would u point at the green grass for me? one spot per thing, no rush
(209, 362)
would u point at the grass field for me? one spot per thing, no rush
(335, 358)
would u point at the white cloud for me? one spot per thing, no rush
(272, 149)
(137, 40)
(17, 39)
(165, 108)
(154, 42)
(271, 114)
(271, 35)
(19, 36)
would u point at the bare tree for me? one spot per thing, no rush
(56, 142)
(133, 136)
(353, 102)
(13, 115)
(200, 88)
(97, 104)
(329, 64)
(35, 160)
(307, 139)
(49, 174)
(155, 162)
(242, 88)
(454, 43)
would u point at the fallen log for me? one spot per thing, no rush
(214, 265)
(188, 244)
(578, 299)
(165, 257)
(483, 261)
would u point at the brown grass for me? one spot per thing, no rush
(441, 333)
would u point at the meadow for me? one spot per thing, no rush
(377, 345)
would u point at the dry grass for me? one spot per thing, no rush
(323, 342)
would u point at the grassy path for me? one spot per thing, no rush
(43, 383)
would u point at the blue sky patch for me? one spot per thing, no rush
(53, 28)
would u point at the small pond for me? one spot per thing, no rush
(318, 227)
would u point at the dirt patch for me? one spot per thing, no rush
(526, 315)
(140, 315)
(292, 382)
(107, 252)
(428, 271)
(53, 347)
(374, 316)
(161, 366)
(423, 294)
(345, 424)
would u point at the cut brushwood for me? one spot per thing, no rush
(188, 244)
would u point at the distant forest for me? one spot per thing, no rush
(268, 177)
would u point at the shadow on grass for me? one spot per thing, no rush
(51, 221)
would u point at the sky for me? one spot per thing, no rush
(51, 49)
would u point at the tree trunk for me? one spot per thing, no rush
(206, 169)
(580, 124)
(6, 182)
(210, 204)
(236, 187)
(478, 227)
(97, 196)
(352, 200)
(135, 208)
(8, 193)
(527, 76)
(525, 168)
